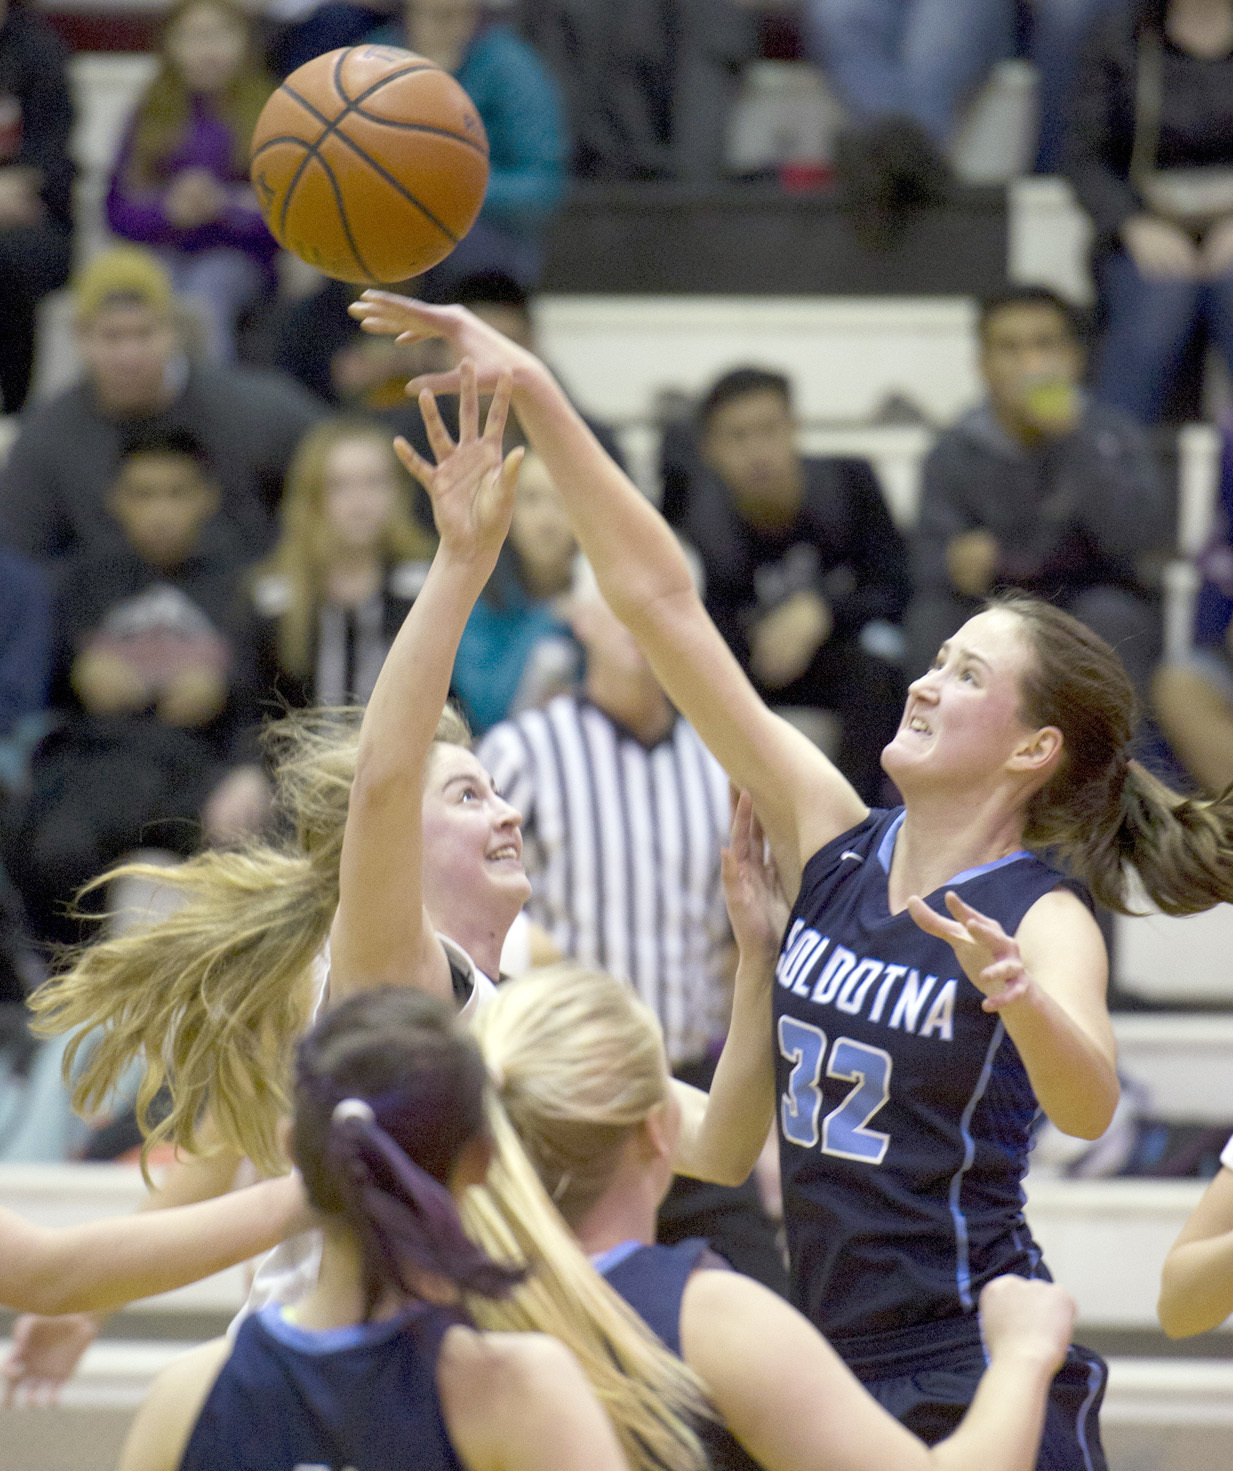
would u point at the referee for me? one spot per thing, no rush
(624, 814)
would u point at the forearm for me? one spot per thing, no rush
(1196, 1286)
(1073, 1076)
(1001, 1430)
(721, 1137)
(103, 1264)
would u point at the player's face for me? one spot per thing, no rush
(361, 493)
(472, 845)
(206, 46)
(962, 721)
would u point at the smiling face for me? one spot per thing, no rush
(962, 723)
(473, 879)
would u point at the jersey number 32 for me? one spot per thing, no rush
(845, 1130)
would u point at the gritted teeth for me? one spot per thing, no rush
(508, 850)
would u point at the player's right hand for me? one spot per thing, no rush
(491, 353)
(1027, 1318)
(45, 1353)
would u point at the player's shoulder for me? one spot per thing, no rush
(500, 1366)
(161, 1428)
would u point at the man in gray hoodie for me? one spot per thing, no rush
(1038, 488)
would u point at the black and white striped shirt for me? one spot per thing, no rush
(621, 843)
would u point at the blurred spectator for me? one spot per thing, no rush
(36, 180)
(804, 569)
(1038, 488)
(298, 30)
(1059, 29)
(316, 341)
(1193, 698)
(181, 185)
(1150, 154)
(25, 641)
(520, 105)
(624, 813)
(54, 486)
(150, 680)
(649, 83)
(516, 652)
(911, 59)
(346, 569)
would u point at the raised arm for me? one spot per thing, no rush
(768, 1370)
(1196, 1286)
(382, 934)
(802, 799)
(724, 1131)
(102, 1264)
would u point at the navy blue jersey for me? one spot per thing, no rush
(905, 1111)
(349, 1399)
(652, 1281)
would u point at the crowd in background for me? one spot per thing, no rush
(211, 527)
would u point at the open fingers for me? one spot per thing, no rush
(468, 402)
(498, 409)
(416, 466)
(438, 435)
(933, 923)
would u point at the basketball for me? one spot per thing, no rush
(370, 163)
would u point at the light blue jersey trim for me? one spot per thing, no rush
(604, 1261)
(886, 850)
(326, 1340)
(963, 1271)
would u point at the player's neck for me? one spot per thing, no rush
(939, 840)
(337, 1299)
(625, 1212)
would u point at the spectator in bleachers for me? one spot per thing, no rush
(347, 567)
(1193, 696)
(150, 678)
(1041, 489)
(649, 84)
(805, 572)
(1150, 154)
(516, 651)
(520, 104)
(25, 642)
(180, 184)
(36, 181)
(1059, 29)
(54, 486)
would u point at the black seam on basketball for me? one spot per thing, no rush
(406, 71)
(290, 189)
(385, 122)
(346, 223)
(332, 127)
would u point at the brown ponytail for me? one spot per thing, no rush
(1101, 811)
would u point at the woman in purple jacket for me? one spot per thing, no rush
(180, 184)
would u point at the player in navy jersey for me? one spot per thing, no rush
(379, 1367)
(916, 1033)
(584, 1079)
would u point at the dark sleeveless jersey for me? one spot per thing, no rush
(652, 1281)
(349, 1399)
(904, 1109)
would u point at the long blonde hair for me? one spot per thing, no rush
(213, 997)
(302, 556)
(576, 1062)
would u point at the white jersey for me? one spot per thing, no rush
(290, 1271)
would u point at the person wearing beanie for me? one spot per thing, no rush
(137, 375)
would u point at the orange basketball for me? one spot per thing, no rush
(371, 163)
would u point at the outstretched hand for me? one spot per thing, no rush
(491, 353)
(471, 486)
(989, 956)
(752, 892)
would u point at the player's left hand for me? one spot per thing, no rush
(756, 904)
(989, 956)
(472, 484)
